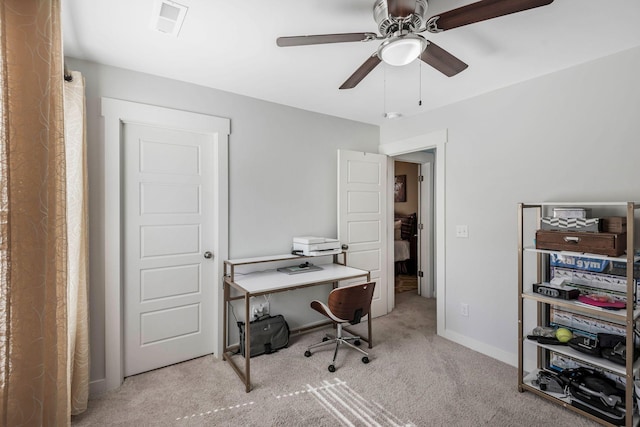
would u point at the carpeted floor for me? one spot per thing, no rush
(415, 378)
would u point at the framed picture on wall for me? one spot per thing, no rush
(400, 188)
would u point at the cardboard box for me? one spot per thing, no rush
(579, 263)
(600, 281)
(590, 326)
(619, 268)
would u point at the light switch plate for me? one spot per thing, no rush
(462, 231)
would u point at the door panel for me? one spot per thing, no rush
(170, 323)
(362, 217)
(163, 240)
(363, 202)
(169, 281)
(364, 232)
(165, 199)
(154, 156)
(168, 284)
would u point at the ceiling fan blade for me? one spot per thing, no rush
(401, 8)
(361, 72)
(325, 38)
(480, 11)
(442, 60)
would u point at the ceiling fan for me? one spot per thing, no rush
(401, 21)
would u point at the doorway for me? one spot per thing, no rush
(414, 254)
(431, 147)
(116, 114)
(406, 220)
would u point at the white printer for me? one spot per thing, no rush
(316, 246)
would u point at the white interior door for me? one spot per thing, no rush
(362, 217)
(168, 227)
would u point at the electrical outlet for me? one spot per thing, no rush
(264, 308)
(464, 309)
(255, 310)
(259, 310)
(462, 231)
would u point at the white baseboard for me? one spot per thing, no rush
(496, 353)
(97, 388)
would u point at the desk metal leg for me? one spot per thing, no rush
(247, 343)
(225, 323)
(370, 341)
(227, 353)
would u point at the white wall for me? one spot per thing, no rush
(569, 136)
(282, 175)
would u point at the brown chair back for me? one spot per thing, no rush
(351, 302)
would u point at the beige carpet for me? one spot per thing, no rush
(415, 378)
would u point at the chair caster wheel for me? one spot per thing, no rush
(356, 342)
(325, 339)
(307, 353)
(365, 360)
(332, 368)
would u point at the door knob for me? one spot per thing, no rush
(208, 255)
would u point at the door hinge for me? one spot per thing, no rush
(420, 274)
(420, 178)
(420, 226)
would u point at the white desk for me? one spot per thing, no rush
(271, 281)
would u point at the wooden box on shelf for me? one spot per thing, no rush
(610, 244)
(614, 224)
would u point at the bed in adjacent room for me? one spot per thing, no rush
(404, 244)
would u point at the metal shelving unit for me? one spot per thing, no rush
(626, 318)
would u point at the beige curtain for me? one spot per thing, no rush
(77, 240)
(34, 333)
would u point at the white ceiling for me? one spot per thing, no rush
(230, 45)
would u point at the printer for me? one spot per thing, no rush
(315, 246)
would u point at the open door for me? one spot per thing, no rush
(362, 218)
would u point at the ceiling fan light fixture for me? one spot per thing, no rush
(402, 50)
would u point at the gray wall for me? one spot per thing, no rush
(569, 136)
(282, 175)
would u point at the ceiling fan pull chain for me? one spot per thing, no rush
(420, 80)
(384, 91)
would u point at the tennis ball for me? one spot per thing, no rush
(563, 334)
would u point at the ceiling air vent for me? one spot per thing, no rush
(168, 16)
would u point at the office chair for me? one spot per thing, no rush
(346, 305)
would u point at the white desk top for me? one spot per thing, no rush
(272, 280)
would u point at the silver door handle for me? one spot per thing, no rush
(208, 255)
